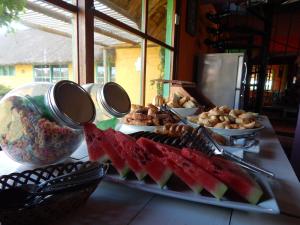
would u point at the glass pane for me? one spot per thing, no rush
(42, 73)
(118, 58)
(128, 12)
(160, 20)
(39, 48)
(158, 66)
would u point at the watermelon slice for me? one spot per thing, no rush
(114, 151)
(179, 172)
(228, 172)
(102, 144)
(187, 169)
(94, 138)
(155, 168)
(129, 147)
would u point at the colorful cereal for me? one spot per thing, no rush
(28, 137)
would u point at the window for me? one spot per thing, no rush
(41, 46)
(269, 79)
(254, 76)
(50, 73)
(7, 70)
(51, 42)
(138, 42)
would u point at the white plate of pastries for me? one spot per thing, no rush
(183, 105)
(145, 118)
(228, 122)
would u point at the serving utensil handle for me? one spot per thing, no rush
(247, 165)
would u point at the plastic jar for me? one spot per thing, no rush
(41, 123)
(110, 99)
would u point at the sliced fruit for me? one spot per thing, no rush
(154, 166)
(231, 174)
(114, 151)
(94, 139)
(103, 144)
(129, 147)
(188, 168)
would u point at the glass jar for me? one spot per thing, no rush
(111, 102)
(41, 123)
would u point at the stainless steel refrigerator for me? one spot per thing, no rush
(221, 78)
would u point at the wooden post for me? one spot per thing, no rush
(85, 41)
(145, 5)
(295, 156)
(106, 77)
(268, 18)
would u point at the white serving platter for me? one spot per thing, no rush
(176, 189)
(230, 132)
(128, 129)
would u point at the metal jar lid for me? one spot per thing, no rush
(114, 99)
(71, 104)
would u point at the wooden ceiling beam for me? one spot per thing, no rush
(120, 10)
(53, 31)
(47, 12)
(114, 36)
(58, 16)
(64, 5)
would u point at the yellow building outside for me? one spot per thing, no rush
(127, 73)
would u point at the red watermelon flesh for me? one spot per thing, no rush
(101, 144)
(228, 172)
(155, 168)
(178, 171)
(202, 178)
(94, 138)
(129, 147)
(114, 151)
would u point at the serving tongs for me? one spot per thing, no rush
(30, 193)
(201, 139)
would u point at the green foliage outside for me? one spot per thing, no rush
(161, 66)
(3, 90)
(9, 11)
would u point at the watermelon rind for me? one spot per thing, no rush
(231, 174)
(254, 195)
(140, 175)
(164, 178)
(124, 171)
(103, 159)
(219, 190)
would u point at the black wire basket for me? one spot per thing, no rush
(48, 208)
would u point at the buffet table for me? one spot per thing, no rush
(116, 204)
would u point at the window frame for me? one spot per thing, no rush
(85, 13)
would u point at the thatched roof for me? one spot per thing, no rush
(37, 47)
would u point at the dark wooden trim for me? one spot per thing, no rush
(85, 41)
(48, 12)
(114, 36)
(144, 50)
(262, 74)
(129, 29)
(176, 35)
(64, 5)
